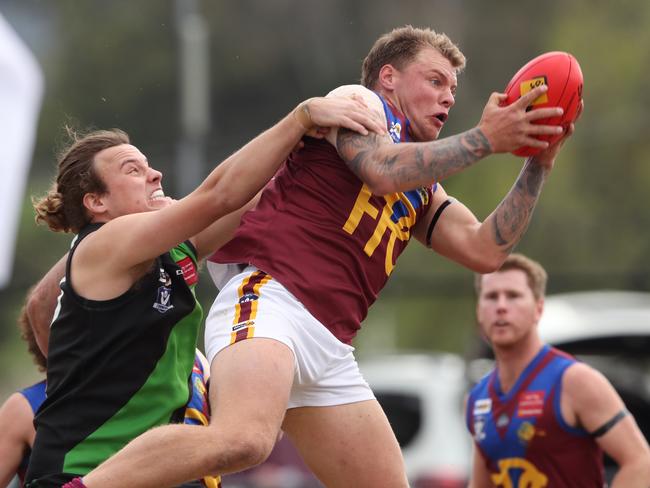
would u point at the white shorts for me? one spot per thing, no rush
(252, 304)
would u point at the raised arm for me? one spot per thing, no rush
(387, 167)
(231, 184)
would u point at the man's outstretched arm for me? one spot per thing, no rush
(388, 168)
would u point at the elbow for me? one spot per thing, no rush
(38, 302)
(380, 184)
(488, 263)
(644, 463)
(379, 189)
(225, 203)
(38, 319)
(221, 201)
(637, 468)
(376, 168)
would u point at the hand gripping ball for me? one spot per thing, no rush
(561, 72)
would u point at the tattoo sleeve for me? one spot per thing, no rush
(407, 166)
(511, 218)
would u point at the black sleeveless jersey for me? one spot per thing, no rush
(116, 368)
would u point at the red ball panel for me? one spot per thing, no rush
(561, 72)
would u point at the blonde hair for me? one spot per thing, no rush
(535, 274)
(400, 46)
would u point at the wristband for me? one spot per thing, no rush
(302, 115)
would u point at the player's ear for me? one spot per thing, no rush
(388, 76)
(94, 203)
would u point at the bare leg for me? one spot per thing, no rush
(250, 385)
(348, 445)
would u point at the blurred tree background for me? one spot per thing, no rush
(117, 64)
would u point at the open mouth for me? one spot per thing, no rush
(442, 117)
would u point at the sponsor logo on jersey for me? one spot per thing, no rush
(248, 297)
(482, 406)
(531, 404)
(188, 268)
(242, 325)
(242, 330)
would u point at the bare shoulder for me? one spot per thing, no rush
(581, 376)
(590, 396)
(585, 383)
(600, 411)
(16, 416)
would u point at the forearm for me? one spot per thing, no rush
(11, 455)
(216, 235)
(388, 168)
(15, 422)
(632, 475)
(41, 303)
(144, 462)
(510, 219)
(245, 172)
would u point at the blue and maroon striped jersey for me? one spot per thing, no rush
(522, 435)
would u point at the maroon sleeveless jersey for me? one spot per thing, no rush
(319, 231)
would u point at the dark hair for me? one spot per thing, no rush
(535, 274)
(400, 46)
(62, 209)
(27, 334)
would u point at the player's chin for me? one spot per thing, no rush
(435, 133)
(501, 338)
(430, 133)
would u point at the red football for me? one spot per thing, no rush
(561, 72)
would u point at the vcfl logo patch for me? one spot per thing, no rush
(163, 301)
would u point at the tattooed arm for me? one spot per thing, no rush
(482, 246)
(386, 167)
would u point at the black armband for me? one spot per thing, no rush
(435, 218)
(607, 426)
